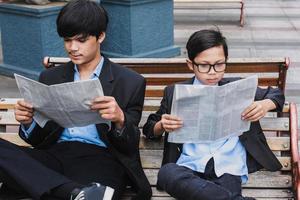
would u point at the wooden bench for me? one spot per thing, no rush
(280, 128)
(212, 4)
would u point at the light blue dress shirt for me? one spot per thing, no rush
(85, 134)
(229, 155)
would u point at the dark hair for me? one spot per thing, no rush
(81, 17)
(203, 40)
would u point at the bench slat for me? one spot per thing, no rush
(273, 124)
(14, 138)
(8, 118)
(275, 143)
(181, 68)
(8, 103)
(172, 80)
(268, 193)
(260, 179)
(151, 159)
(175, 61)
(257, 193)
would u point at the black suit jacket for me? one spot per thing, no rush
(128, 88)
(258, 152)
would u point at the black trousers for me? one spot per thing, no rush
(186, 184)
(40, 172)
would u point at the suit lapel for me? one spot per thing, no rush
(223, 81)
(189, 81)
(106, 77)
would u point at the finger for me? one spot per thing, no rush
(24, 113)
(23, 119)
(110, 117)
(101, 105)
(248, 109)
(255, 117)
(22, 105)
(171, 117)
(167, 121)
(46, 61)
(20, 108)
(251, 113)
(103, 99)
(25, 104)
(171, 128)
(106, 111)
(104, 104)
(172, 122)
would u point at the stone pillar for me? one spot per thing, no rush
(137, 28)
(140, 28)
(28, 34)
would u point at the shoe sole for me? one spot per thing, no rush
(108, 194)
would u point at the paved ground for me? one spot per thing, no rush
(272, 29)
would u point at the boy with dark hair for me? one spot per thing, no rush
(91, 162)
(213, 170)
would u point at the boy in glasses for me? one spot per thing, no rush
(213, 170)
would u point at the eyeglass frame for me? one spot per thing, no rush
(210, 66)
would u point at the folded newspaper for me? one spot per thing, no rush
(211, 113)
(68, 104)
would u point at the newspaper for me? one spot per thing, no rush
(68, 104)
(210, 113)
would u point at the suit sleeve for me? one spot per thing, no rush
(127, 139)
(38, 135)
(274, 94)
(153, 118)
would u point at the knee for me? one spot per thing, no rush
(166, 170)
(164, 173)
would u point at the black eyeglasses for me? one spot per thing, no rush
(205, 68)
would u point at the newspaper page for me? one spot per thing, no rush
(210, 113)
(68, 104)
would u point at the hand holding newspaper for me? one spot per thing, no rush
(210, 113)
(68, 104)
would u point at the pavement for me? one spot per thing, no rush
(272, 29)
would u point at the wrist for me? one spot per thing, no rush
(158, 129)
(120, 122)
(26, 126)
(161, 126)
(270, 105)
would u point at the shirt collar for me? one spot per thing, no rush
(96, 72)
(197, 82)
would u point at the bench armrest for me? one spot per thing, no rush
(295, 149)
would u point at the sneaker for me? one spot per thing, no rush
(95, 191)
